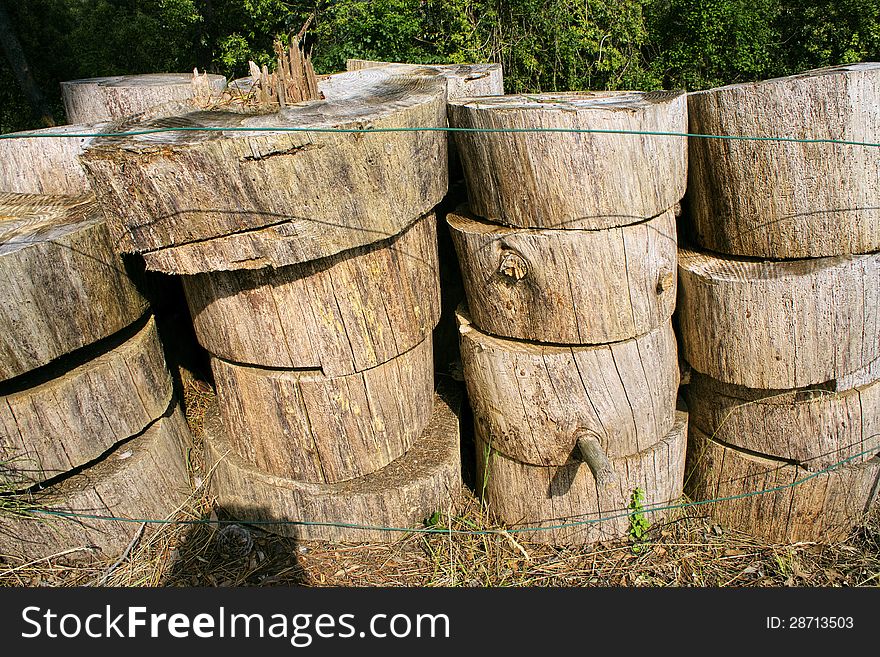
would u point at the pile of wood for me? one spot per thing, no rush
(568, 255)
(779, 312)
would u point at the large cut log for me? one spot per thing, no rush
(572, 180)
(303, 425)
(341, 314)
(462, 80)
(535, 401)
(567, 286)
(32, 164)
(58, 421)
(401, 495)
(776, 500)
(142, 479)
(334, 190)
(61, 284)
(778, 325)
(567, 505)
(107, 98)
(814, 427)
(788, 200)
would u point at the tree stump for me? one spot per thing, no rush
(306, 426)
(63, 285)
(534, 401)
(567, 501)
(332, 315)
(59, 421)
(107, 98)
(789, 504)
(572, 180)
(462, 80)
(402, 494)
(788, 200)
(567, 286)
(778, 325)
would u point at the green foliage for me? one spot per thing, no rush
(638, 523)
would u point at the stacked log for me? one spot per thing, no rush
(568, 255)
(779, 315)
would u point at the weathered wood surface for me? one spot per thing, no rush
(524, 495)
(570, 180)
(824, 507)
(788, 200)
(143, 478)
(567, 286)
(61, 284)
(306, 426)
(533, 401)
(813, 426)
(778, 325)
(402, 494)
(108, 98)
(46, 165)
(335, 190)
(462, 80)
(341, 314)
(51, 425)
(862, 377)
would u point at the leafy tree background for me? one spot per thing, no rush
(543, 44)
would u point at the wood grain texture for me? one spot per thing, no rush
(143, 478)
(336, 190)
(462, 80)
(342, 314)
(61, 284)
(813, 426)
(823, 507)
(571, 180)
(306, 426)
(61, 423)
(534, 400)
(778, 325)
(788, 200)
(531, 496)
(567, 286)
(402, 494)
(114, 97)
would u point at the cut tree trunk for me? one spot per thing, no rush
(814, 427)
(778, 325)
(572, 180)
(335, 190)
(341, 315)
(51, 425)
(402, 494)
(118, 96)
(784, 503)
(63, 287)
(788, 200)
(533, 401)
(567, 286)
(462, 80)
(143, 478)
(525, 496)
(306, 426)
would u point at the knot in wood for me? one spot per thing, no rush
(665, 280)
(513, 265)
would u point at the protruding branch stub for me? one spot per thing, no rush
(590, 452)
(513, 265)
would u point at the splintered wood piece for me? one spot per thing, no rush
(567, 286)
(778, 325)
(337, 190)
(62, 286)
(402, 494)
(572, 180)
(813, 426)
(340, 315)
(782, 502)
(306, 426)
(51, 425)
(533, 401)
(462, 80)
(107, 98)
(788, 200)
(524, 495)
(144, 478)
